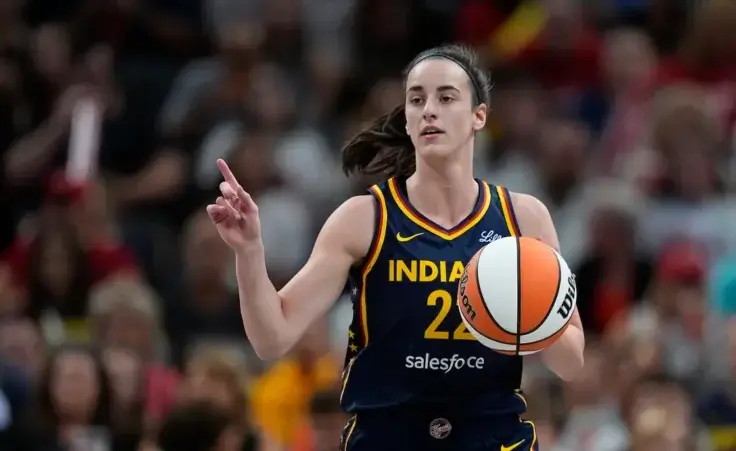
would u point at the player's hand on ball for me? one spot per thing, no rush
(234, 213)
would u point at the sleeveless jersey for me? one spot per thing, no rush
(407, 343)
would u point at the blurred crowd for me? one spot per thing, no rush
(618, 114)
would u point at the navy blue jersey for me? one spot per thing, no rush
(408, 345)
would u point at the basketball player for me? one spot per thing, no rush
(414, 377)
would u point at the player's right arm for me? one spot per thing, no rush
(275, 320)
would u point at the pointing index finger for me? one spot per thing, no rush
(227, 173)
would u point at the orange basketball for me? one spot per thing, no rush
(517, 295)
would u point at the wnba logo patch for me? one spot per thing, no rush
(439, 428)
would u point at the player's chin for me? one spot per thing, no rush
(435, 149)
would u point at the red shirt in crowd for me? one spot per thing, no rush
(104, 261)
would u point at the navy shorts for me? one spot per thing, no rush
(428, 430)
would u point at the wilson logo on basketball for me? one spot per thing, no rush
(464, 298)
(569, 301)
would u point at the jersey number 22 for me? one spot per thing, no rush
(444, 299)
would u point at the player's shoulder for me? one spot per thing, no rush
(367, 203)
(532, 214)
(362, 206)
(351, 226)
(528, 205)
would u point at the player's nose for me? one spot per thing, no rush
(430, 110)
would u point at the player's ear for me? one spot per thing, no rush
(479, 117)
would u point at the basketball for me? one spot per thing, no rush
(517, 295)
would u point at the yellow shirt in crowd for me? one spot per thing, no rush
(280, 398)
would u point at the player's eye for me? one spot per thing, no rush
(416, 100)
(446, 99)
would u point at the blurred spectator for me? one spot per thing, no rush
(558, 181)
(202, 112)
(687, 142)
(73, 404)
(674, 315)
(613, 275)
(15, 399)
(706, 58)
(153, 29)
(53, 266)
(51, 100)
(217, 374)
(125, 313)
(22, 344)
(124, 320)
(207, 309)
(594, 421)
(199, 426)
(716, 406)
(519, 111)
(127, 383)
(282, 395)
(30, 83)
(381, 38)
(327, 422)
(629, 64)
(659, 416)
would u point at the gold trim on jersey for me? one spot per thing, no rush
(456, 231)
(370, 261)
(508, 211)
(534, 434)
(372, 257)
(351, 428)
(520, 395)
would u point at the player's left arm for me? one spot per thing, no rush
(565, 356)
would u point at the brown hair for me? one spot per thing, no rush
(223, 364)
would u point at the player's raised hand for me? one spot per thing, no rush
(234, 212)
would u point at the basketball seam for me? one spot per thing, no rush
(464, 315)
(543, 339)
(554, 295)
(483, 301)
(518, 295)
(485, 307)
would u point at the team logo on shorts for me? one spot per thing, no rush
(439, 428)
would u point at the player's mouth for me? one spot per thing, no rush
(431, 131)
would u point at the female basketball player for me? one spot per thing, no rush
(414, 377)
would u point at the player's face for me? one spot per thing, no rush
(440, 117)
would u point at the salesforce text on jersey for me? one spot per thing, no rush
(446, 364)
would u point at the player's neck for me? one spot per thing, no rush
(444, 192)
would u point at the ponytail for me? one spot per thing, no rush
(383, 147)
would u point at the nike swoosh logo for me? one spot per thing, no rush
(512, 447)
(404, 239)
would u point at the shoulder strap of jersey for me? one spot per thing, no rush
(379, 230)
(507, 209)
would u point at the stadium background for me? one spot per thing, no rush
(118, 300)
